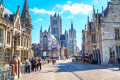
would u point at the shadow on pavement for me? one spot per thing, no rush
(79, 66)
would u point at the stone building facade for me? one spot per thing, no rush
(13, 26)
(105, 33)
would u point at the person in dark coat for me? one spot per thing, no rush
(118, 60)
(33, 62)
(40, 63)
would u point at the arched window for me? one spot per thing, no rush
(7, 56)
(45, 43)
(117, 34)
(1, 35)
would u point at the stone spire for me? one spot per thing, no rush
(102, 9)
(93, 10)
(18, 10)
(49, 29)
(25, 11)
(71, 25)
(41, 29)
(65, 31)
(88, 19)
(85, 26)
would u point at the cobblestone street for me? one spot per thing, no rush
(74, 71)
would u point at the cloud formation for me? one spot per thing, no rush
(38, 20)
(72, 8)
(69, 17)
(36, 10)
(76, 8)
(69, 2)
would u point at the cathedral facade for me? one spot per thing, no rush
(52, 40)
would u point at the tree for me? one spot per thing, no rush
(67, 52)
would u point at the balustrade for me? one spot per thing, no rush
(5, 73)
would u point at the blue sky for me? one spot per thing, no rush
(40, 10)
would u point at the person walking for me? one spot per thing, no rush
(27, 65)
(40, 62)
(35, 64)
(118, 60)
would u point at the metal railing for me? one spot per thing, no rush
(5, 73)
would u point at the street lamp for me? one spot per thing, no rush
(11, 29)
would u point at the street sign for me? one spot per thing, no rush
(44, 53)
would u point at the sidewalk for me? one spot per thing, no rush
(44, 74)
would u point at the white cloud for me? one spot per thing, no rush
(36, 42)
(40, 19)
(72, 8)
(95, 2)
(77, 8)
(70, 17)
(58, 6)
(68, 2)
(36, 10)
(50, 12)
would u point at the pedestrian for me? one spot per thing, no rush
(48, 61)
(40, 62)
(27, 65)
(118, 60)
(32, 64)
(53, 61)
(35, 64)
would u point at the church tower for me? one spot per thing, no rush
(56, 25)
(72, 39)
(25, 16)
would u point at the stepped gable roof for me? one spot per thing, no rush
(8, 13)
(107, 9)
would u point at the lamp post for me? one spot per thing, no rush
(11, 29)
(30, 47)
